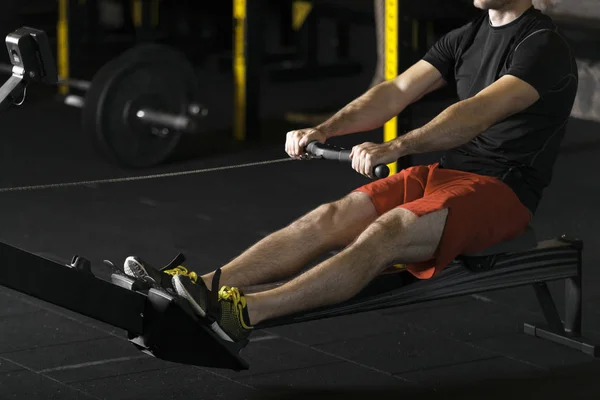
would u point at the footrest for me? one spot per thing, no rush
(129, 283)
(173, 332)
(573, 342)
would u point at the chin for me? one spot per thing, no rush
(490, 4)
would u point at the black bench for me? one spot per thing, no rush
(518, 262)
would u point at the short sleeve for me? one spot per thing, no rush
(543, 59)
(444, 53)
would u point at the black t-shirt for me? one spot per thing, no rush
(522, 149)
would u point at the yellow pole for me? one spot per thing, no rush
(239, 69)
(390, 129)
(137, 12)
(430, 34)
(155, 13)
(62, 44)
(415, 35)
(300, 11)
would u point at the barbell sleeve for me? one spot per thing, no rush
(73, 83)
(74, 101)
(180, 123)
(76, 83)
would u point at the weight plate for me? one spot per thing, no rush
(150, 76)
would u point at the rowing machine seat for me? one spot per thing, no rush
(526, 241)
(487, 258)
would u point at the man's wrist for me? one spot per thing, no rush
(399, 147)
(325, 130)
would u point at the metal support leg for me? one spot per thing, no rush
(573, 296)
(548, 308)
(568, 334)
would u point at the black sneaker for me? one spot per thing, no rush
(139, 269)
(228, 309)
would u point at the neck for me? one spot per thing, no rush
(509, 13)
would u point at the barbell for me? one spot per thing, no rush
(75, 83)
(138, 105)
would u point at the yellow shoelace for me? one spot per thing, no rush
(233, 295)
(182, 271)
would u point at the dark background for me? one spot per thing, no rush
(472, 347)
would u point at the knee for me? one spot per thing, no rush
(321, 217)
(391, 226)
(339, 222)
(355, 208)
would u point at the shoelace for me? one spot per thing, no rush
(233, 295)
(182, 271)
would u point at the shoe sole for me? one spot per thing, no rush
(134, 269)
(183, 292)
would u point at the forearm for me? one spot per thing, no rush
(369, 111)
(455, 126)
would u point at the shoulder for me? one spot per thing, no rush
(546, 46)
(540, 33)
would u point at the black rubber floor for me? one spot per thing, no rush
(471, 347)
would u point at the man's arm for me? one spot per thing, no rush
(384, 101)
(466, 119)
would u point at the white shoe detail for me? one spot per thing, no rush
(132, 267)
(182, 291)
(220, 332)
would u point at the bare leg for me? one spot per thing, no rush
(285, 252)
(397, 236)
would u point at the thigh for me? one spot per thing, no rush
(405, 186)
(482, 211)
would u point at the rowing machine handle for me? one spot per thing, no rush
(327, 152)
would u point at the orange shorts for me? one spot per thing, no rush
(482, 210)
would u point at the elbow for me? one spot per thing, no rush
(474, 119)
(397, 99)
(479, 128)
(474, 130)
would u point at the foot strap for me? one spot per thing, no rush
(213, 296)
(176, 262)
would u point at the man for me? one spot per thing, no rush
(516, 80)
